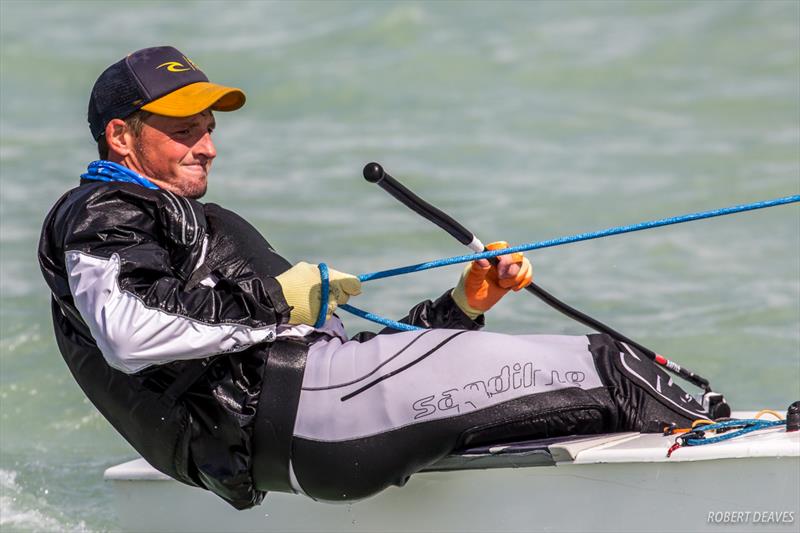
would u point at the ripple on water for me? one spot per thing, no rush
(21, 510)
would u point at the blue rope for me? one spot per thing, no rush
(419, 267)
(750, 425)
(366, 315)
(325, 295)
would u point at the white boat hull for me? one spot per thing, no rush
(621, 482)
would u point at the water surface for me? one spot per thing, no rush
(524, 120)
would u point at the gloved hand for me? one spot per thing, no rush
(482, 284)
(302, 288)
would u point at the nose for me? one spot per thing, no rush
(205, 147)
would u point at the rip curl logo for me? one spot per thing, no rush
(177, 66)
(173, 66)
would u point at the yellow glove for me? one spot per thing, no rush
(483, 284)
(302, 288)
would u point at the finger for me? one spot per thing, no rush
(516, 257)
(475, 276)
(497, 245)
(351, 285)
(522, 275)
(483, 264)
(507, 283)
(346, 282)
(507, 269)
(525, 276)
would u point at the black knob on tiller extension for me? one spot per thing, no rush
(373, 172)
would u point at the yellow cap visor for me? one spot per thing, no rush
(195, 98)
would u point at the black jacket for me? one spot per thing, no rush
(163, 309)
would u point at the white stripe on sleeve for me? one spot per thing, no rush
(133, 336)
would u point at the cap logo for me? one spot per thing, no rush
(174, 66)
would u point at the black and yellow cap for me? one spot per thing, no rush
(160, 80)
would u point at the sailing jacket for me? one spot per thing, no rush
(164, 310)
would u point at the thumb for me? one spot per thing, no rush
(351, 285)
(345, 283)
(476, 275)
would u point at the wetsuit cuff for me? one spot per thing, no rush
(457, 315)
(279, 305)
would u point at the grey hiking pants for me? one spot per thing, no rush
(372, 413)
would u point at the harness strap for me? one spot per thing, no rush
(277, 410)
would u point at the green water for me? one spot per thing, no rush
(524, 120)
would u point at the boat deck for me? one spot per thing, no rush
(615, 482)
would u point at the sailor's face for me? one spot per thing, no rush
(176, 153)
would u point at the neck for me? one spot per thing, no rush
(131, 162)
(128, 161)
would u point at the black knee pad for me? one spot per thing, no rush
(570, 411)
(645, 395)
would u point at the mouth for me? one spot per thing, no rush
(197, 168)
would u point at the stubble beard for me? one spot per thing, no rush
(195, 191)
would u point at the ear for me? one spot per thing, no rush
(119, 138)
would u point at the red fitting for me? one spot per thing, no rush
(672, 449)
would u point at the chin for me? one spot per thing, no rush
(197, 193)
(194, 189)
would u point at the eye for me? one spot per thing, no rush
(182, 132)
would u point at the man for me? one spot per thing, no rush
(198, 342)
